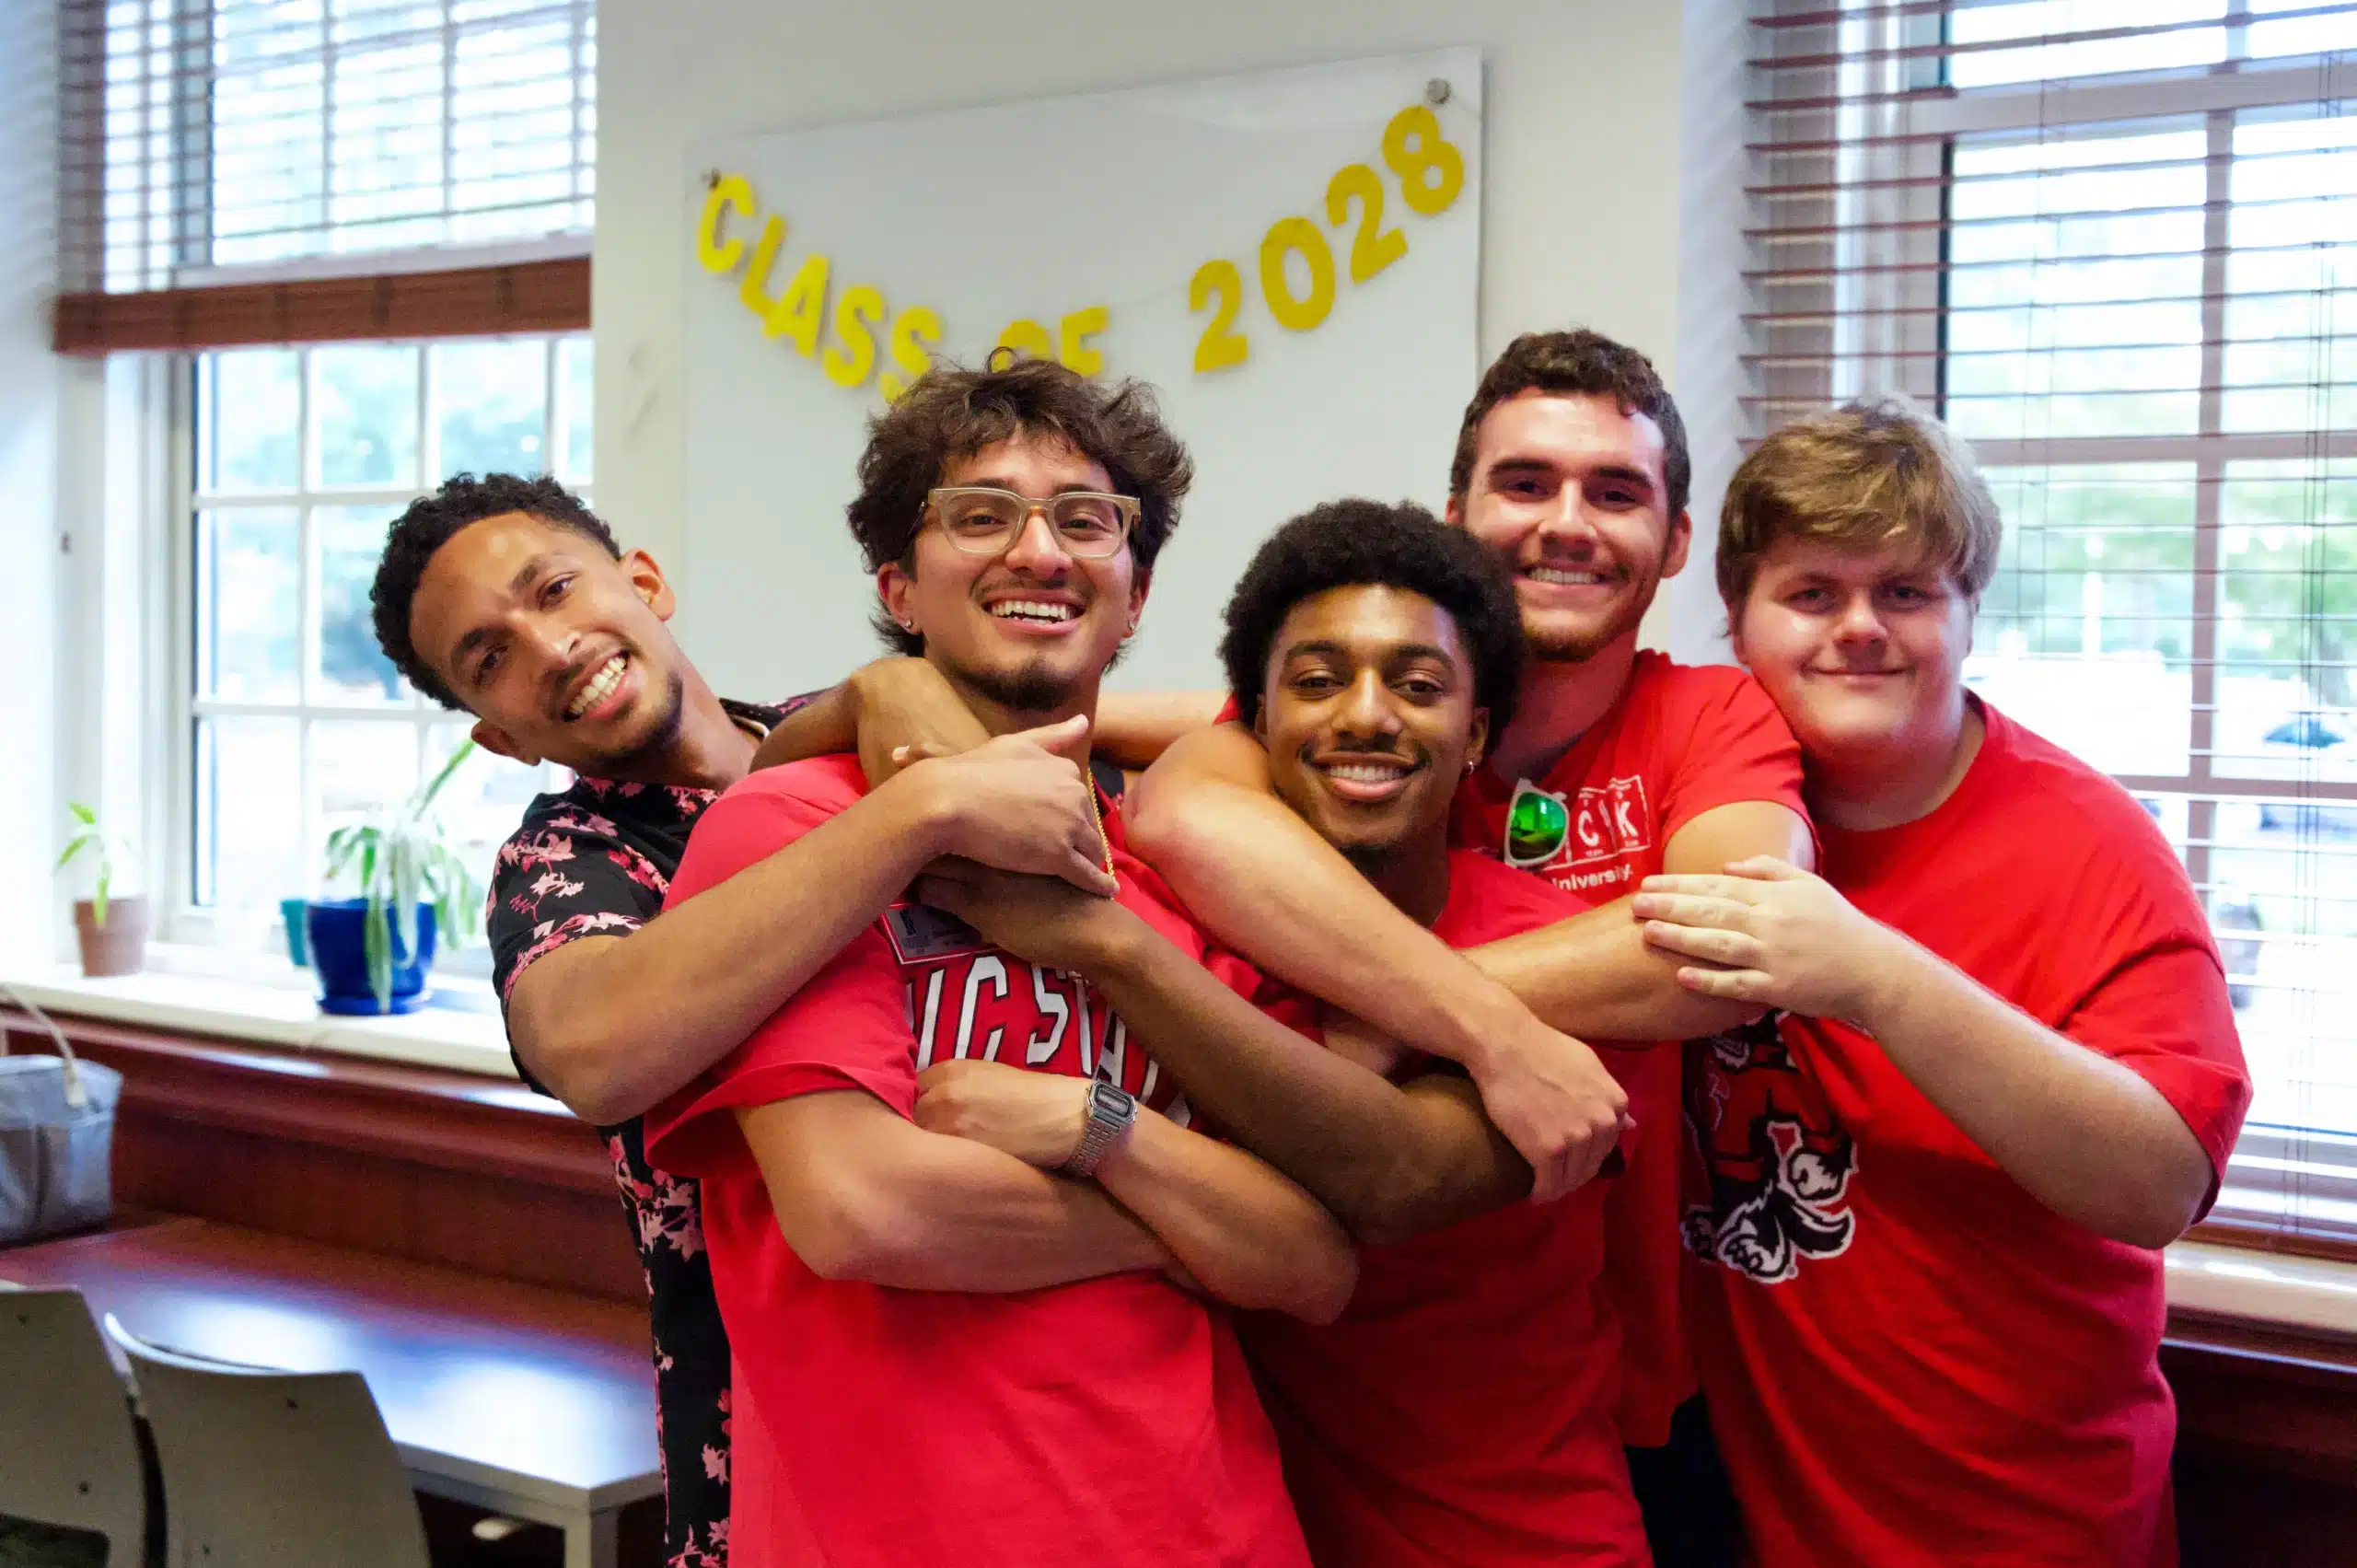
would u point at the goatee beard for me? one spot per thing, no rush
(1032, 689)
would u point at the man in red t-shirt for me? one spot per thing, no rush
(970, 1334)
(1930, 1305)
(1374, 652)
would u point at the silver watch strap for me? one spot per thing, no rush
(1112, 1111)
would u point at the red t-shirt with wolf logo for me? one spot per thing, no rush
(1099, 1425)
(1911, 1361)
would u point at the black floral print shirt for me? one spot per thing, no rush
(595, 859)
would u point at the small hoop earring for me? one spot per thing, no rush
(1471, 763)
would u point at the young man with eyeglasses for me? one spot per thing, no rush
(507, 599)
(957, 1218)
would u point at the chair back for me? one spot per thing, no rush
(263, 1468)
(69, 1448)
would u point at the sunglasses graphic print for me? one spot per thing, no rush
(1536, 824)
(1545, 830)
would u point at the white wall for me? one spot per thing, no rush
(1688, 618)
(1580, 208)
(34, 571)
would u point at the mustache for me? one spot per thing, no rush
(1396, 750)
(1068, 581)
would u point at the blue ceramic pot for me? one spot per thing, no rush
(339, 957)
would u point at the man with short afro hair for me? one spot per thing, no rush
(1354, 542)
(429, 523)
(1374, 652)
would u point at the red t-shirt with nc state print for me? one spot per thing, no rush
(1108, 1423)
(1683, 740)
(1910, 1360)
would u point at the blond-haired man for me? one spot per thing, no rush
(2005, 1074)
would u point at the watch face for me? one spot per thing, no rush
(918, 933)
(1109, 1100)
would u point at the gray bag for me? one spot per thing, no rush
(56, 1141)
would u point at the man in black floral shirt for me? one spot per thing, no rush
(508, 599)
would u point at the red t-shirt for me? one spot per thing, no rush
(1910, 1360)
(1106, 1423)
(1683, 740)
(1462, 1408)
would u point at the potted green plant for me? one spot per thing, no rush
(112, 930)
(372, 950)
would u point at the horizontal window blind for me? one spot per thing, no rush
(2114, 243)
(240, 142)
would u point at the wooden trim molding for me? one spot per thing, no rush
(420, 1163)
(2275, 1238)
(451, 1120)
(523, 297)
(2263, 1398)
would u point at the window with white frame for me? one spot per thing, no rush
(296, 723)
(2113, 242)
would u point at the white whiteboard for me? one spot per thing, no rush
(1039, 210)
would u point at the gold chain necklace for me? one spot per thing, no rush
(1097, 816)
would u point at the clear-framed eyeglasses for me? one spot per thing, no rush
(983, 520)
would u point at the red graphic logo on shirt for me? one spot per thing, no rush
(1779, 1166)
(991, 1005)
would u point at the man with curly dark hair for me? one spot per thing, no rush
(953, 413)
(962, 1226)
(509, 599)
(430, 523)
(948, 416)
